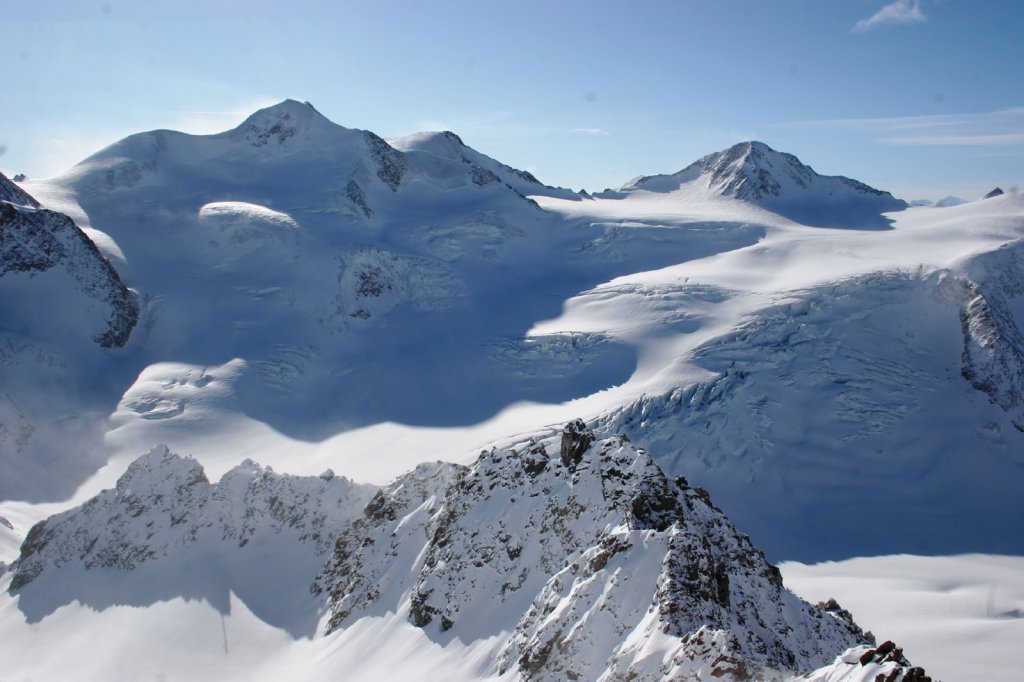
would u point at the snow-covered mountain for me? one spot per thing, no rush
(314, 297)
(779, 182)
(574, 558)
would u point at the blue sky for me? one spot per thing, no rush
(921, 97)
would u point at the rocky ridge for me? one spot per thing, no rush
(993, 357)
(34, 240)
(591, 555)
(578, 553)
(164, 502)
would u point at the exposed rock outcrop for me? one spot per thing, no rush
(34, 240)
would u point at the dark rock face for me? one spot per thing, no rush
(535, 458)
(25, 244)
(356, 195)
(36, 240)
(482, 176)
(998, 191)
(576, 439)
(351, 578)
(390, 163)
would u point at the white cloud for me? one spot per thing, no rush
(899, 12)
(589, 131)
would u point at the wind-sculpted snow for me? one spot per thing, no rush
(311, 295)
(241, 227)
(588, 559)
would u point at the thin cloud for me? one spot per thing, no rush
(982, 129)
(503, 124)
(187, 112)
(956, 140)
(1012, 116)
(899, 12)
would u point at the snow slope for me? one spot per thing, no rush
(958, 616)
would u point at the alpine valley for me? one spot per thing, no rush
(295, 401)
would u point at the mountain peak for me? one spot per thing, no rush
(754, 172)
(533, 541)
(281, 121)
(444, 144)
(949, 201)
(289, 107)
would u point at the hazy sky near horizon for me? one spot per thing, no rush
(920, 97)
